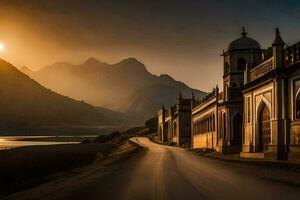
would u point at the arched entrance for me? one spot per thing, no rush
(264, 128)
(160, 132)
(297, 103)
(166, 132)
(237, 129)
(174, 130)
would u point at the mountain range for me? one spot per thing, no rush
(25, 104)
(125, 87)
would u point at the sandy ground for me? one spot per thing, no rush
(163, 172)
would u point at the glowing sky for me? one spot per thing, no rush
(182, 38)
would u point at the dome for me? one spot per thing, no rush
(243, 42)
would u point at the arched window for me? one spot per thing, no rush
(241, 65)
(298, 106)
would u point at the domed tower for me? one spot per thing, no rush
(240, 53)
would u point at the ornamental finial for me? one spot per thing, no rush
(244, 32)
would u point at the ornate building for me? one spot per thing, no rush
(175, 123)
(258, 112)
(271, 104)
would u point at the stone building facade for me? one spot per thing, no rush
(271, 104)
(174, 124)
(258, 112)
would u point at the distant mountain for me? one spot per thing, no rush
(125, 87)
(24, 104)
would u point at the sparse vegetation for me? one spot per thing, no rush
(116, 137)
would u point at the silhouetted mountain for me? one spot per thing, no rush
(125, 87)
(26, 70)
(24, 103)
(151, 97)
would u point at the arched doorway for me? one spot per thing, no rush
(160, 133)
(237, 129)
(264, 128)
(174, 130)
(297, 103)
(166, 132)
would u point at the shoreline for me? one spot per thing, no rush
(28, 167)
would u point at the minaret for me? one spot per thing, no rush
(280, 98)
(278, 50)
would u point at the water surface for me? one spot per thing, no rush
(9, 142)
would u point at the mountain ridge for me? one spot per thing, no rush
(26, 104)
(113, 85)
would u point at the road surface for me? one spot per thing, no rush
(173, 173)
(163, 172)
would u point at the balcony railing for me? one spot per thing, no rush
(261, 69)
(209, 96)
(292, 54)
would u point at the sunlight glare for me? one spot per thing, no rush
(2, 47)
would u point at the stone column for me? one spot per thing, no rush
(278, 128)
(217, 116)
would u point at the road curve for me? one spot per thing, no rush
(172, 173)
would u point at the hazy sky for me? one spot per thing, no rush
(181, 38)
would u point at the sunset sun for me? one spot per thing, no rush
(2, 47)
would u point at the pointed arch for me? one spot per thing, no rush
(174, 129)
(263, 107)
(263, 101)
(166, 132)
(264, 125)
(297, 105)
(160, 133)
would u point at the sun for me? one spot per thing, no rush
(2, 47)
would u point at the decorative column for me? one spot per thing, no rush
(278, 133)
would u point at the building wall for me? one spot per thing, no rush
(175, 138)
(254, 100)
(294, 125)
(204, 129)
(174, 125)
(161, 120)
(234, 76)
(272, 85)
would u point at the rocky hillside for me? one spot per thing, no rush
(24, 104)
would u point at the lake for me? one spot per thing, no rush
(9, 142)
(56, 135)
